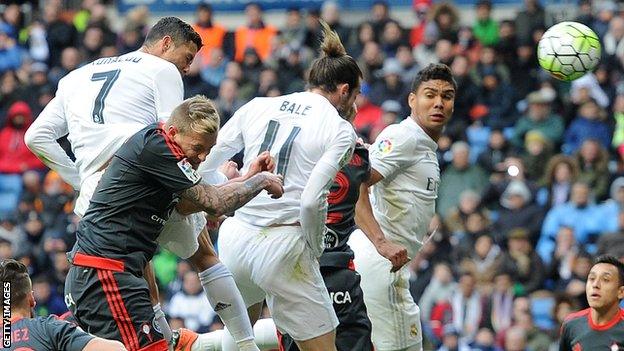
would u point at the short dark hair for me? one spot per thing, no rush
(16, 273)
(435, 71)
(180, 31)
(612, 260)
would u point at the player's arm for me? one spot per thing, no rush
(385, 161)
(366, 221)
(217, 201)
(313, 208)
(41, 139)
(99, 344)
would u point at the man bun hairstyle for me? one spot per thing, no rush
(435, 71)
(179, 31)
(334, 66)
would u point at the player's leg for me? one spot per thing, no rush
(222, 293)
(113, 305)
(394, 315)
(286, 270)
(160, 320)
(264, 331)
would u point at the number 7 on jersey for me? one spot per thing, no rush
(109, 78)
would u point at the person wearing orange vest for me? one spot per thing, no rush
(255, 34)
(212, 34)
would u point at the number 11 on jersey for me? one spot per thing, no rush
(283, 157)
(98, 106)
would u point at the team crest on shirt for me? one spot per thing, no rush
(188, 171)
(384, 146)
(413, 331)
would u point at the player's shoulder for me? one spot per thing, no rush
(576, 316)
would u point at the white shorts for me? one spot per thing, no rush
(276, 264)
(393, 313)
(179, 234)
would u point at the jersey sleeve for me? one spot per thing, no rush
(41, 139)
(229, 141)
(168, 91)
(390, 151)
(564, 340)
(65, 335)
(313, 209)
(163, 161)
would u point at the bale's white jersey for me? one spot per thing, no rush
(100, 105)
(308, 140)
(404, 200)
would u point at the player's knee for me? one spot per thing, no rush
(202, 261)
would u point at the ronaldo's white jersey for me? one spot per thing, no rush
(404, 200)
(308, 140)
(100, 105)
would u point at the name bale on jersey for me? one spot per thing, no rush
(294, 108)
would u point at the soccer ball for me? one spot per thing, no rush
(568, 50)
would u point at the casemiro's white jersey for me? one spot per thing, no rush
(103, 103)
(308, 140)
(404, 200)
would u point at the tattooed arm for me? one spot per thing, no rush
(217, 201)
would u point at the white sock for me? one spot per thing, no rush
(227, 301)
(266, 334)
(161, 322)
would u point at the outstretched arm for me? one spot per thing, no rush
(217, 201)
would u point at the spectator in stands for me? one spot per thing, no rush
(521, 261)
(363, 34)
(191, 305)
(11, 232)
(485, 28)
(563, 255)
(451, 340)
(294, 32)
(593, 159)
(15, 157)
(605, 12)
(579, 213)
(556, 185)
(457, 177)
(330, 13)
(540, 118)
(497, 96)
(613, 40)
(254, 34)
(368, 114)
(130, 39)
(499, 306)
(10, 52)
(507, 44)
(379, 16)
(390, 86)
(536, 340)
(212, 33)
(194, 84)
(48, 300)
(391, 38)
(440, 288)
(213, 71)
(465, 97)
(528, 18)
(227, 102)
(611, 208)
(612, 242)
(409, 65)
(60, 34)
(518, 211)
(392, 112)
(455, 220)
(537, 148)
(588, 124)
(421, 10)
(446, 21)
(370, 61)
(526, 71)
(516, 339)
(71, 59)
(482, 260)
(492, 159)
(467, 307)
(575, 285)
(252, 65)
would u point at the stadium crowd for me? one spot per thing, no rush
(532, 169)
